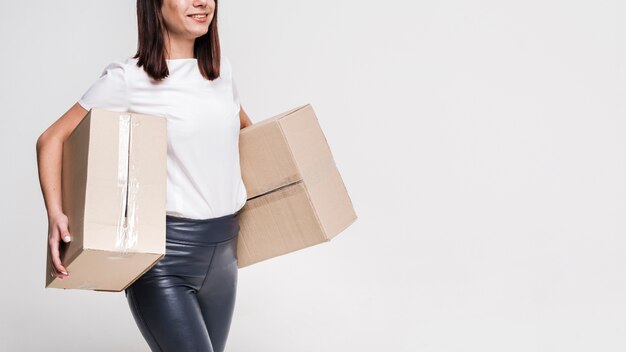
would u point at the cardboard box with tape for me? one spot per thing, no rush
(113, 189)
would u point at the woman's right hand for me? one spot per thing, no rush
(57, 230)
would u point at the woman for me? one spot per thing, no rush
(186, 301)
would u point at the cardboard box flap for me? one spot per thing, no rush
(270, 120)
(265, 159)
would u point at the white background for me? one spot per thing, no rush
(482, 144)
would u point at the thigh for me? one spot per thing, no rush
(168, 317)
(217, 294)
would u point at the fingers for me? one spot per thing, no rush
(58, 225)
(59, 270)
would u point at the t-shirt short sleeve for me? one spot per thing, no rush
(109, 91)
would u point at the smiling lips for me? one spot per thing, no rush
(199, 17)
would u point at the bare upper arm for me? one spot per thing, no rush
(63, 127)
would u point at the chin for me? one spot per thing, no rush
(200, 33)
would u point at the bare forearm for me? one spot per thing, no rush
(49, 161)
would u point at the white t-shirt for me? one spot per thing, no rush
(203, 172)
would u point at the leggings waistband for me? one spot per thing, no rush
(202, 231)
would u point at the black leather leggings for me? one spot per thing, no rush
(185, 302)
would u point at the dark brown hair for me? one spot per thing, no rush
(151, 44)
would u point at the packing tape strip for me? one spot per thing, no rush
(128, 188)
